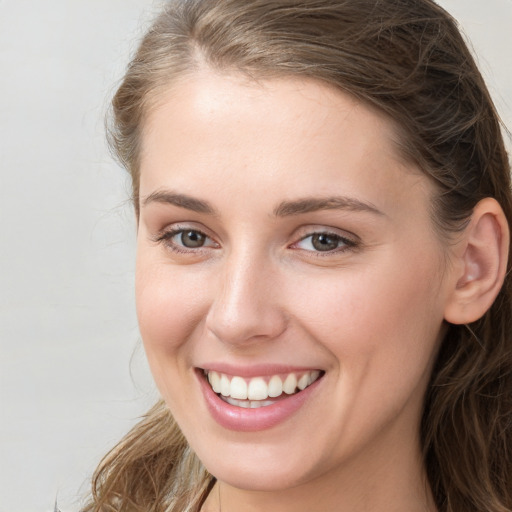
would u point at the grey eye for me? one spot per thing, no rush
(191, 239)
(325, 241)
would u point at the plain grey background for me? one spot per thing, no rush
(73, 377)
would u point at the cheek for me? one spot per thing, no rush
(381, 327)
(170, 306)
(381, 319)
(170, 310)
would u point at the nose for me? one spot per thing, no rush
(245, 307)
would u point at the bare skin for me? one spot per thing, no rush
(231, 163)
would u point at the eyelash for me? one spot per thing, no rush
(167, 236)
(348, 244)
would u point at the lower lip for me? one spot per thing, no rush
(252, 420)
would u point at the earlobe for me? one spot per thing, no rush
(482, 264)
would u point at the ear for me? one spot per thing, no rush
(480, 264)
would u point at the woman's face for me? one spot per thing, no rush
(281, 237)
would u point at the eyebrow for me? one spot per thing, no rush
(284, 209)
(312, 204)
(181, 200)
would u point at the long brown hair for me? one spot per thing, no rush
(407, 59)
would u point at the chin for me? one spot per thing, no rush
(257, 467)
(248, 477)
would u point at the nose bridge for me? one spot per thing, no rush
(245, 305)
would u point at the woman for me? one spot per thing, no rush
(323, 200)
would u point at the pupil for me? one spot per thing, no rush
(323, 242)
(192, 239)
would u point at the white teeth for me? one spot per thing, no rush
(238, 388)
(258, 389)
(275, 387)
(214, 380)
(254, 392)
(248, 404)
(290, 384)
(225, 385)
(303, 382)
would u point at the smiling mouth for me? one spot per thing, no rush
(259, 391)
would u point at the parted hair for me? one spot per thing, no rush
(407, 59)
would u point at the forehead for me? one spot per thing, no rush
(231, 101)
(287, 135)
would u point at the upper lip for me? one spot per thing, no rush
(254, 370)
